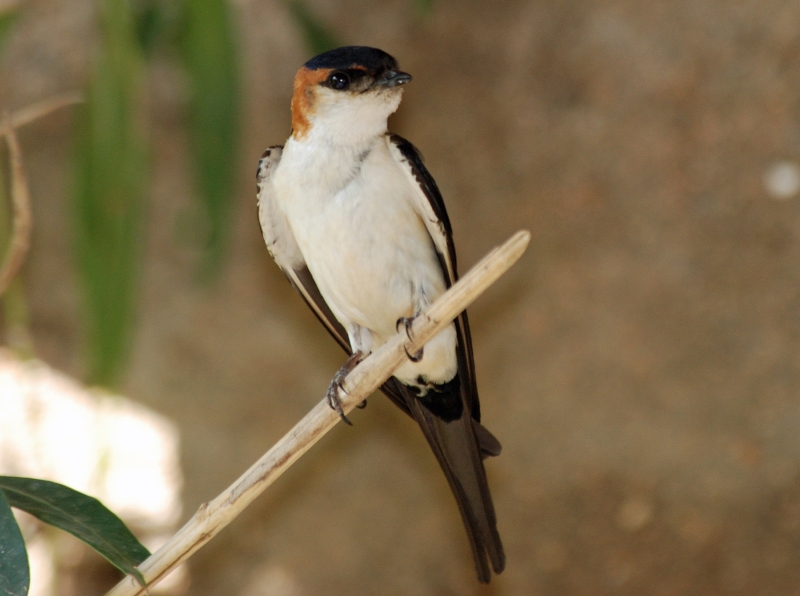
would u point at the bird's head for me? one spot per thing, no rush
(348, 93)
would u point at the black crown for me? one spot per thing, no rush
(373, 59)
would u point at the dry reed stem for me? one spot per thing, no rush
(20, 191)
(42, 108)
(22, 220)
(361, 382)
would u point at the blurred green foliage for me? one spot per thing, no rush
(155, 22)
(210, 56)
(7, 18)
(318, 37)
(111, 169)
(108, 199)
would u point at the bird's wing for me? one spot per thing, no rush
(429, 205)
(282, 246)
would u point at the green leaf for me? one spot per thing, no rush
(318, 37)
(108, 198)
(83, 516)
(15, 577)
(6, 20)
(211, 61)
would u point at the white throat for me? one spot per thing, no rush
(351, 120)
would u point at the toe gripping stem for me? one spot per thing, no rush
(407, 322)
(337, 385)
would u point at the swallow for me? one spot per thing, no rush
(354, 219)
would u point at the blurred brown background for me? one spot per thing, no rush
(640, 364)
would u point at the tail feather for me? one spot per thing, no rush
(456, 446)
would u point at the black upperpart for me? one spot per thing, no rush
(374, 60)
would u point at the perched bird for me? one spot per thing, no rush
(355, 221)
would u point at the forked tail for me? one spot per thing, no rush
(455, 445)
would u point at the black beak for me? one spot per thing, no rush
(392, 78)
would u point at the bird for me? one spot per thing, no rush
(353, 218)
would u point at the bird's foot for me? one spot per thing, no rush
(337, 385)
(407, 322)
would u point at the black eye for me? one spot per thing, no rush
(339, 80)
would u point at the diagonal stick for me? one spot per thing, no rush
(359, 384)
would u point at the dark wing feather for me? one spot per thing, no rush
(438, 224)
(304, 283)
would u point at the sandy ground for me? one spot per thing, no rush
(640, 364)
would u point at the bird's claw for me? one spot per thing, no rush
(333, 398)
(337, 384)
(407, 322)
